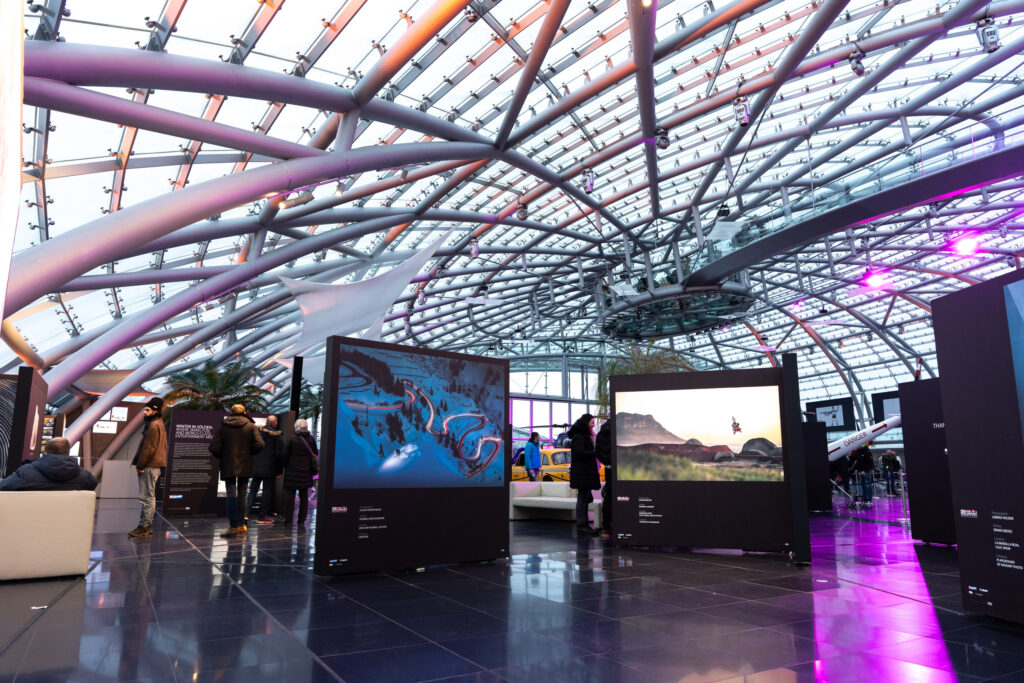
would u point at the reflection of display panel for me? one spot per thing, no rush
(698, 460)
(412, 420)
(727, 434)
(837, 414)
(414, 465)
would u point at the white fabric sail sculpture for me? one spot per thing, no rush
(339, 310)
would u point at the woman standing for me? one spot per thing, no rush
(583, 473)
(300, 466)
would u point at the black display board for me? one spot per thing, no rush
(836, 414)
(927, 466)
(819, 488)
(742, 491)
(884, 405)
(414, 466)
(22, 409)
(190, 480)
(976, 330)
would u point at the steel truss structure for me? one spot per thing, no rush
(595, 160)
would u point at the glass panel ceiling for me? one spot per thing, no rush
(780, 118)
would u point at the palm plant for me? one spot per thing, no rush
(216, 387)
(311, 402)
(638, 360)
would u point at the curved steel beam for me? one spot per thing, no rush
(46, 267)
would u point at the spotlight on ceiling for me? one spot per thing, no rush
(857, 62)
(470, 15)
(298, 200)
(474, 249)
(741, 111)
(421, 298)
(522, 213)
(588, 180)
(646, 3)
(876, 279)
(965, 245)
(988, 34)
(661, 138)
(723, 211)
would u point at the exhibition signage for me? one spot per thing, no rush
(190, 481)
(979, 341)
(710, 459)
(414, 465)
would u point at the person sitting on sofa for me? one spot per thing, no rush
(55, 471)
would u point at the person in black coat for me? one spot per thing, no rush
(55, 471)
(300, 467)
(234, 444)
(266, 467)
(583, 472)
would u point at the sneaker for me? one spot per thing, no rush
(140, 531)
(242, 528)
(230, 533)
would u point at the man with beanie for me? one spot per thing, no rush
(234, 444)
(151, 456)
(55, 471)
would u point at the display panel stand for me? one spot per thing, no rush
(713, 496)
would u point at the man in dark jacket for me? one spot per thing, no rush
(234, 444)
(55, 471)
(267, 466)
(151, 456)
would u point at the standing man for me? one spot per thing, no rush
(531, 457)
(234, 444)
(267, 466)
(151, 456)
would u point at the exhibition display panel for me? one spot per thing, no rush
(414, 465)
(710, 459)
(836, 414)
(927, 463)
(982, 380)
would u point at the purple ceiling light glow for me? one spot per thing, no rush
(876, 279)
(965, 245)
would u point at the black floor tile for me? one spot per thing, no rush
(398, 665)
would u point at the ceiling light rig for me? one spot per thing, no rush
(588, 180)
(988, 34)
(661, 138)
(741, 111)
(522, 213)
(856, 60)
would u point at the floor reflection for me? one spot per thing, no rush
(188, 605)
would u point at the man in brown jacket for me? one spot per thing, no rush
(151, 456)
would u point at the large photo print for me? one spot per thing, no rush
(731, 434)
(413, 420)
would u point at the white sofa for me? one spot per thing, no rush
(45, 533)
(547, 500)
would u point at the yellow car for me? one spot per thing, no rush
(554, 466)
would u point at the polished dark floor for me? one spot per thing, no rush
(187, 605)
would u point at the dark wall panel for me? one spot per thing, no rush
(819, 488)
(981, 411)
(927, 466)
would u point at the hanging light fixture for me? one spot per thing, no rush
(856, 60)
(988, 34)
(741, 111)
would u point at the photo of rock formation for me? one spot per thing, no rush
(732, 434)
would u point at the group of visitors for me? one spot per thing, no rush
(856, 474)
(246, 452)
